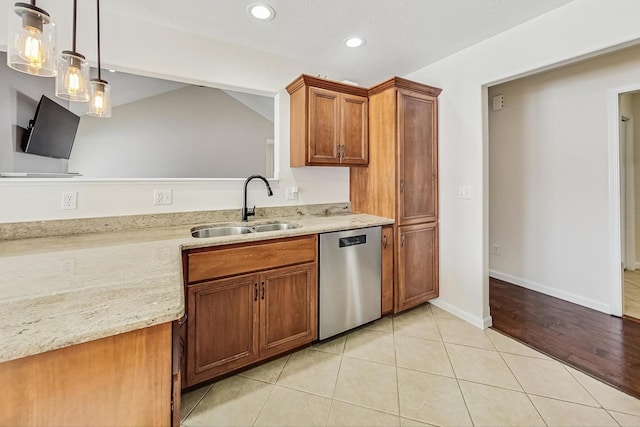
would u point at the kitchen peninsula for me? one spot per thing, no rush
(88, 318)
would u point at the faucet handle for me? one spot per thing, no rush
(251, 212)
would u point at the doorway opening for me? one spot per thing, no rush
(629, 161)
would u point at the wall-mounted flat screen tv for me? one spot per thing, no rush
(52, 131)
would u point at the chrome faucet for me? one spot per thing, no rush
(246, 213)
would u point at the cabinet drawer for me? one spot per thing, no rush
(223, 261)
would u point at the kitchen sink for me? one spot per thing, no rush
(275, 226)
(230, 230)
(218, 231)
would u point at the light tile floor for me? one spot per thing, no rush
(423, 367)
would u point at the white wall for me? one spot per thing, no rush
(548, 178)
(191, 132)
(579, 28)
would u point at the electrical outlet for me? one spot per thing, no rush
(162, 197)
(292, 193)
(496, 249)
(69, 200)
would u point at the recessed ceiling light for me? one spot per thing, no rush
(261, 11)
(354, 41)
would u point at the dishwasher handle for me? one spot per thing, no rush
(344, 242)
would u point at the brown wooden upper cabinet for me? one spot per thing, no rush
(329, 123)
(417, 158)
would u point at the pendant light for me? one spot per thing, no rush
(31, 44)
(73, 70)
(99, 90)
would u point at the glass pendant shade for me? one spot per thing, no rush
(73, 77)
(31, 41)
(100, 99)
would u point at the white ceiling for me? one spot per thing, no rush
(401, 35)
(306, 36)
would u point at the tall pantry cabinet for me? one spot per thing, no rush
(401, 182)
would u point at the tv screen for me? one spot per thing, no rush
(52, 131)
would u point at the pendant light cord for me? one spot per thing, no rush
(98, 14)
(75, 15)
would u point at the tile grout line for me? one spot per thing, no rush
(518, 381)
(614, 418)
(270, 391)
(566, 368)
(335, 383)
(464, 399)
(273, 387)
(395, 355)
(196, 405)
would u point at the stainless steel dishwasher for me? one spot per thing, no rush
(350, 280)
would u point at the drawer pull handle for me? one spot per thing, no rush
(384, 241)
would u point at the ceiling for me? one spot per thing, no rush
(306, 36)
(401, 35)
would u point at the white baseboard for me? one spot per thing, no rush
(554, 292)
(476, 321)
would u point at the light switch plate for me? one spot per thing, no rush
(464, 192)
(498, 102)
(292, 193)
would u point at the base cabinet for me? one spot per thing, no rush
(114, 381)
(417, 254)
(236, 321)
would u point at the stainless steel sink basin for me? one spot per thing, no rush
(230, 230)
(217, 231)
(275, 226)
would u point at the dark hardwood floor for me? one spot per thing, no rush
(606, 347)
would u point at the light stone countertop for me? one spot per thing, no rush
(59, 291)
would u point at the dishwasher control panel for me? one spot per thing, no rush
(352, 241)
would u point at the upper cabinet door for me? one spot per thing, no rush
(324, 122)
(417, 158)
(329, 123)
(354, 130)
